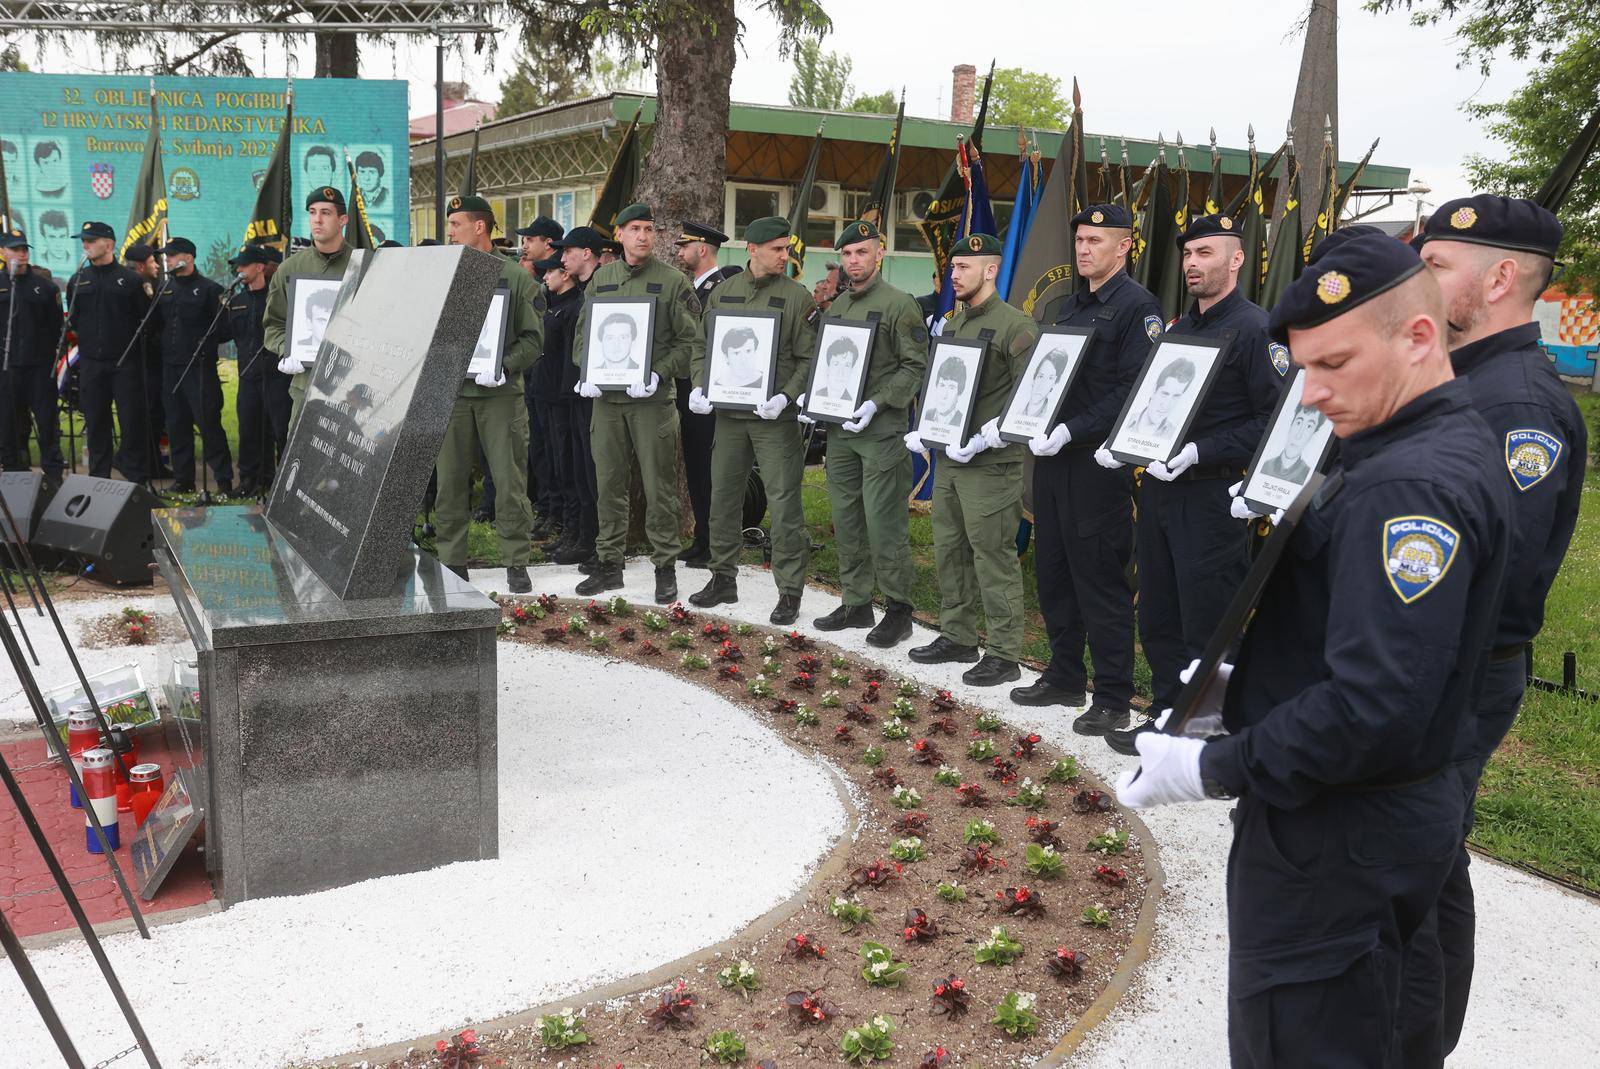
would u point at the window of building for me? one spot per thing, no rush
(745, 204)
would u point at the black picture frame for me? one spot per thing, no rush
(301, 290)
(1083, 339)
(716, 322)
(602, 310)
(1262, 488)
(861, 333)
(1124, 442)
(941, 350)
(499, 305)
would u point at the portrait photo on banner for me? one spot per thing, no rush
(620, 336)
(948, 391)
(490, 353)
(311, 302)
(1297, 440)
(1163, 402)
(1033, 408)
(840, 369)
(741, 358)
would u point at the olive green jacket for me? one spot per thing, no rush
(1009, 334)
(524, 333)
(899, 345)
(307, 263)
(676, 333)
(797, 330)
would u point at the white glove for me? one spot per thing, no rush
(1103, 457)
(1168, 772)
(1175, 467)
(586, 389)
(1210, 703)
(1241, 511)
(800, 413)
(1048, 445)
(489, 379)
(914, 443)
(639, 393)
(962, 454)
(863, 416)
(290, 366)
(991, 434)
(773, 406)
(698, 403)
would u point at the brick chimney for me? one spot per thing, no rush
(456, 92)
(964, 85)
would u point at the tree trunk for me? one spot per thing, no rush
(338, 55)
(1316, 100)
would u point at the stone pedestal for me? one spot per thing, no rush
(342, 739)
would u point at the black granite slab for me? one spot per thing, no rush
(378, 401)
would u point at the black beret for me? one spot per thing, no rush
(581, 237)
(96, 229)
(1339, 237)
(1209, 226)
(177, 245)
(255, 254)
(767, 228)
(1104, 215)
(977, 245)
(856, 232)
(633, 212)
(138, 252)
(1500, 222)
(549, 263)
(712, 236)
(425, 242)
(1346, 276)
(542, 227)
(326, 195)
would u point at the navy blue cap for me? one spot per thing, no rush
(1500, 222)
(1347, 276)
(1339, 237)
(542, 227)
(1104, 215)
(137, 253)
(14, 239)
(581, 237)
(1210, 226)
(693, 231)
(96, 229)
(177, 245)
(255, 254)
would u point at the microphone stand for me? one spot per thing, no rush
(61, 341)
(205, 482)
(11, 309)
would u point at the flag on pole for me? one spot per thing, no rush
(147, 217)
(881, 194)
(1027, 200)
(1046, 271)
(1168, 285)
(621, 180)
(1287, 259)
(1349, 185)
(270, 221)
(939, 223)
(1553, 193)
(800, 212)
(1214, 194)
(6, 220)
(469, 181)
(1326, 219)
(978, 218)
(1124, 196)
(357, 228)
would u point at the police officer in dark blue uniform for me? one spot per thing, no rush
(1352, 686)
(541, 390)
(1083, 513)
(563, 302)
(107, 304)
(30, 325)
(1192, 553)
(1492, 257)
(191, 323)
(263, 403)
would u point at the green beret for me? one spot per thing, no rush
(326, 195)
(767, 228)
(860, 230)
(468, 204)
(635, 211)
(978, 245)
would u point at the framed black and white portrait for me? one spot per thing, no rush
(954, 365)
(839, 372)
(1163, 403)
(620, 336)
(741, 358)
(490, 353)
(1292, 450)
(1035, 402)
(311, 302)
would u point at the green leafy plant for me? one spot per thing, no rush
(908, 849)
(1029, 795)
(987, 722)
(771, 666)
(839, 679)
(577, 625)
(830, 699)
(599, 640)
(770, 646)
(1015, 1014)
(725, 1047)
(558, 1031)
(869, 1042)
(999, 949)
(1111, 841)
(694, 661)
(1043, 861)
(743, 629)
(980, 831)
(952, 892)
(1063, 771)
(617, 605)
(504, 627)
(1097, 916)
(740, 977)
(947, 776)
(805, 716)
(905, 688)
(981, 750)
(903, 709)
(839, 661)
(873, 757)
(680, 640)
(654, 621)
(759, 687)
(850, 912)
(878, 966)
(894, 729)
(905, 798)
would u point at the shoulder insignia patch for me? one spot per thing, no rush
(690, 301)
(1152, 327)
(919, 334)
(815, 313)
(1417, 551)
(1531, 455)
(1280, 357)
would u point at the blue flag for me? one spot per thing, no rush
(1021, 222)
(977, 218)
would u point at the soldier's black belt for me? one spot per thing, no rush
(1209, 471)
(1514, 651)
(1373, 786)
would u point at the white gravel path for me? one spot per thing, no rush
(641, 820)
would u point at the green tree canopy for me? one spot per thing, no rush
(883, 103)
(1027, 98)
(820, 79)
(1538, 28)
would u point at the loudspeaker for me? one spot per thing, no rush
(106, 521)
(26, 496)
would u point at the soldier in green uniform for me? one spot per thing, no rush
(869, 471)
(977, 494)
(641, 421)
(490, 412)
(326, 258)
(773, 443)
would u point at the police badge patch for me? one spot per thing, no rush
(1280, 357)
(1530, 456)
(1152, 326)
(1417, 551)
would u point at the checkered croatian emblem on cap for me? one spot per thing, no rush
(1463, 218)
(1333, 287)
(1225, 223)
(1098, 217)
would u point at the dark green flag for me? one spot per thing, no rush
(1152, 218)
(1553, 194)
(270, 221)
(1349, 185)
(1046, 272)
(357, 227)
(1214, 194)
(941, 222)
(469, 181)
(1287, 259)
(1168, 285)
(6, 220)
(800, 212)
(1327, 219)
(147, 217)
(881, 194)
(621, 180)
